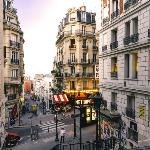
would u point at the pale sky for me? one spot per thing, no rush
(39, 20)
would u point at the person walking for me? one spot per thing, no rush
(62, 135)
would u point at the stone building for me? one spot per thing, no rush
(77, 52)
(124, 64)
(13, 55)
(2, 98)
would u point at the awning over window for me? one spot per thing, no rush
(60, 98)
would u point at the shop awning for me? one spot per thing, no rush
(60, 98)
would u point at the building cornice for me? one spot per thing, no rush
(128, 48)
(142, 90)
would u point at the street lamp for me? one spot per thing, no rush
(56, 115)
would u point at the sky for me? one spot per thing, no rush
(39, 20)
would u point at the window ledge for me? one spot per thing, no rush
(130, 79)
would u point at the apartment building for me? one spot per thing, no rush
(124, 64)
(77, 52)
(13, 55)
(2, 98)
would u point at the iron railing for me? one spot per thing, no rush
(14, 44)
(15, 61)
(132, 135)
(114, 45)
(129, 3)
(114, 74)
(134, 38)
(115, 14)
(127, 40)
(113, 106)
(12, 96)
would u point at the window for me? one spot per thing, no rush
(94, 42)
(83, 29)
(127, 66)
(72, 69)
(84, 57)
(83, 16)
(4, 51)
(135, 25)
(72, 43)
(84, 42)
(93, 18)
(149, 109)
(114, 72)
(114, 35)
(72, 57)
(84, 70)
(14, 55)
(131, 102)
(94, 57)
(72, 16)
(113, 101)
(72, 85)
(85, 84)
(72, 29)
(134, 65)
(127, 29)
(114, 5)
(94, 84)
(14, 73)
(14, 37)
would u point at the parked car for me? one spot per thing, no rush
(11, 139)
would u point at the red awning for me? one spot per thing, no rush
(60, 98)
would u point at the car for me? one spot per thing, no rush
(11, 139)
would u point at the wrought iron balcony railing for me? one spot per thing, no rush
(130, 112)
(105, 20)
(95, 61)
(14, 44)
(113, 106)
(134, 38)
(15, 61)
(114, 45)
(72, 61)
(132, 135)
(149, 33)
(127, 40)
(114, 74)
(59, 75)
(95, 47)
(104, 48)
(85, 61)
(115, 14)
(72, 46)
(84, 47)
(12, 96)
(129, 3)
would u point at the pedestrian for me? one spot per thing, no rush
(62, 135)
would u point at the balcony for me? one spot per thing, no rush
(59, 64)
(113, 106)
(72, 61)
(85, 61)
(14, 44)
(132, 135)
(95, 47)
(59, 75)
(104, 48)
(127, 40)
(134, 38)
(130, 112)
(11, 96)
(89, 75)
(114, 45)
(95, 61)
(84, 33)
(15, 61)
(149, 33)
(114, 74)
(105, 20)
(85, 47)
(72, 46)
(129, 3)
(115, 14)
(60, 38)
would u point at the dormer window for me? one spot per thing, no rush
(72, 16)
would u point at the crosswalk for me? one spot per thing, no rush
(50, 126)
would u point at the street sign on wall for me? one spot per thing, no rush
(96, 71)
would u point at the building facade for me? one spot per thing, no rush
(124, 65)
(77, 53)
(2, 98)
(13, 55)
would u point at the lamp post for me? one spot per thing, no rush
(56, 139)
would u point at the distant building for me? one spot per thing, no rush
(28, 85)
(77, 53)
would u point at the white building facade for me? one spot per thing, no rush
(124, 64)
